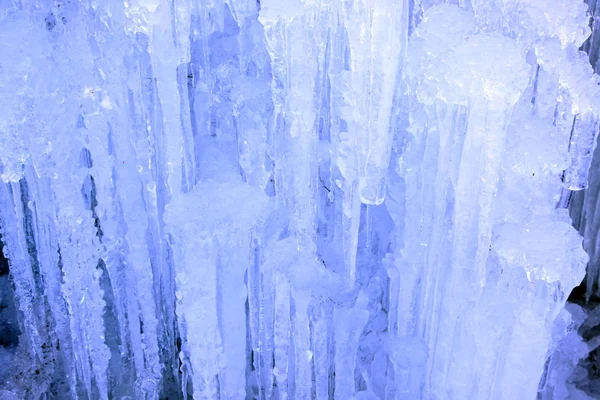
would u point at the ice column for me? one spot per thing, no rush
(291, 199)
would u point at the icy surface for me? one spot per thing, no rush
(292, 199)
(573, 367)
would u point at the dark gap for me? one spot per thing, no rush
(117, 376)
(9, 323)
(30, 236)
(252, 377)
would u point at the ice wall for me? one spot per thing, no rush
(572, 367)
(583, 205)
(289, 199)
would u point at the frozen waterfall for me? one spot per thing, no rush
(297, 199)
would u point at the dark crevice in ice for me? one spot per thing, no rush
(9, 324)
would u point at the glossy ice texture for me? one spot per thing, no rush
(291, 199)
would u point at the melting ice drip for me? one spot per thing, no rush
(289, 199)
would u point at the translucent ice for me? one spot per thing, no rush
(292, 199)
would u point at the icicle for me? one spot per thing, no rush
(302, 350)
(282, 332)
(581, 146)
(169, 47)
(185, 183)
(321, 344)
(375, 57)
(211, 259)
(349, 324)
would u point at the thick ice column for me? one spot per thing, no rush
(123, 215)
(295, 55)
(557, 381)
(576, 114)
(197, 314)
(121, 160)
(349, 324)
(344, 143)
(322, 346)
(431, 154)
(509, 176)
(167, 25)
(377, 33)
(62, 237)
(252, 94)
(466, 109)
(298, 303)
(211, 258)
(235, 259)
(80, 251)
(293, 342)
(544, 295)
(405, 264)
(25, 278)
(281, 337)
(80, 256)
(583, 203)
(262, 302)
(534, 243)
(296, 34)
(308, 289)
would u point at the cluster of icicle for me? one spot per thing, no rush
(290, 199)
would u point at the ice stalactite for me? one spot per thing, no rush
(292, 199)
(584, 203)
(212, 256)
(571, 366)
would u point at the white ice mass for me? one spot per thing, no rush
(297, 199)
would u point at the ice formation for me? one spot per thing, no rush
(293, 199)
